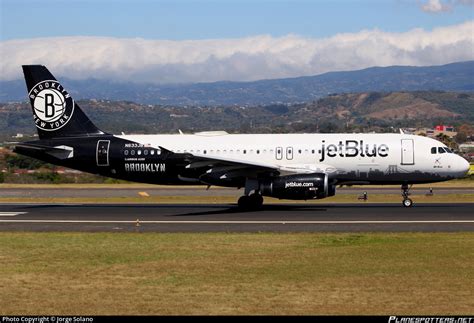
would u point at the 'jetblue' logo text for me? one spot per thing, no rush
(352, 148)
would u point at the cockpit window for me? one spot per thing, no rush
(441, 150)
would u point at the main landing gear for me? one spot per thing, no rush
(407, 202)
(250, 202)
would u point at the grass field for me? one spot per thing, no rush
(220, 273)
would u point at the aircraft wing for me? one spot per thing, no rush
(224, 168)
(227, 168)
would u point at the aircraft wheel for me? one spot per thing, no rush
(257, 200)
(407, 203)
(250, 202)
(244, 202)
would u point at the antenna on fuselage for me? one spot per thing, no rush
(401, 131)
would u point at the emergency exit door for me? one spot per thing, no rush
(408, 152)
(103, 152)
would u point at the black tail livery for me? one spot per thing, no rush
(54, 110)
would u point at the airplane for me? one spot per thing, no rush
(283, 166)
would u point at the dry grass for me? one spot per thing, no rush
(100, 273)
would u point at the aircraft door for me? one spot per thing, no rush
(103, 152)
(408, 152)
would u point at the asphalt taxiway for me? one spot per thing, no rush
(369, 217)
(108, 192)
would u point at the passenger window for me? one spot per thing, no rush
(433, 150)
(132, 152)
(145, 152)
(125, 152)
(152, 152)
(441, 150)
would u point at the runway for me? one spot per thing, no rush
(228, 218)
(193, 191)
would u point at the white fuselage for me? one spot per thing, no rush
(348, 157)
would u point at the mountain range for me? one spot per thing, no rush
(359, 112)
(457, 77)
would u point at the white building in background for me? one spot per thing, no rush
(466, 147)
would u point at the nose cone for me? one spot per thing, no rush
(461, 166)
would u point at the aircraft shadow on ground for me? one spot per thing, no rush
(182, 210)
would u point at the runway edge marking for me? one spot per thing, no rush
(12, 213)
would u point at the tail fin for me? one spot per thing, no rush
(55, 112)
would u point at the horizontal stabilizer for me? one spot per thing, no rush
(60, 152)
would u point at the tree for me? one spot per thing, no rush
(460, 137)
(448, 141)
(464, 132)
(23, 162)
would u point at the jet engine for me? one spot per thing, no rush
(298, 187)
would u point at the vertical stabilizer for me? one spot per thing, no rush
(54, 111)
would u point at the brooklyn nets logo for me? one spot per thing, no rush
(52, 105)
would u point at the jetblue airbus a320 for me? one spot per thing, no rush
(284, 166)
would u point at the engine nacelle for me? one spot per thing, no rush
(298, 187)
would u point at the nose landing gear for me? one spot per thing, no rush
(407, 202)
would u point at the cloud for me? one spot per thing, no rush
(435, 6)
(242, 59)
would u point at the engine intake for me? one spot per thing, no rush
(298, 187)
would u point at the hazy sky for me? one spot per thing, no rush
(189, 41)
